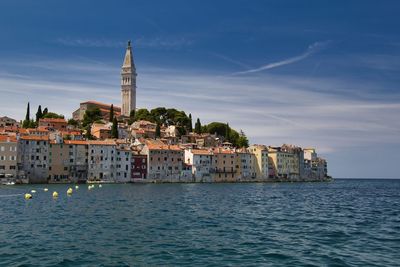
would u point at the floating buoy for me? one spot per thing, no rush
(89, 187)
(45, 190)
(69, 191)
(28, 196)
(76, 187)
(33, 191)
(55, 194)
(100, 185)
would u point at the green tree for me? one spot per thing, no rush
(73, 122)
(143, 114)
(242, 140)
(45, 111)
(197, 126)
(52, 115)
(111, 119)
(90, 116)
(27, 116)
(39, 114)
(132, 116)
(190, 123)
(227, 132)
(114, 128)
(88, 134)
(158, 131)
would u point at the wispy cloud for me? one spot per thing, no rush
(85, 42)
(312, 49)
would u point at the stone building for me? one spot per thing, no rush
(90, 105)
(128, 83)
(33, 158)
(8, 158)
(102, 161)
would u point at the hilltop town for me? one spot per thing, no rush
(106, 143)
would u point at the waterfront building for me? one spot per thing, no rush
(58, 162)
(138, 167)
(128, 83)
(123, 163)
(8, 158)
(284, 163)
(201, 162)
(101, 157)
(90, 105)
(246, 165)
(224, 165)
(261, 163)
(33, 158)
(78, 160)
(8, 122)
(53, 124)
(165, 162)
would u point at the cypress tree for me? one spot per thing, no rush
(227, 132)
(197, 127)
(111, 113)
(114, 129)
(190, 125)
(158, 131)
(45, 111)
(28, 115)
(39, 114)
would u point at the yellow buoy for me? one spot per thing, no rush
(69, 191)
(45, 190)
(89, 187)
(33, 191)
(55, 194)
(76, 187)
(100, 185)
(28, 196)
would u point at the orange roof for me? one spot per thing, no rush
(37, 130)
(102, 142)
(52, 120)
(35, 138)
(75, 142)
(8, 138)
(201, 152)
(163, 147)
(100, 104)
(222, 151)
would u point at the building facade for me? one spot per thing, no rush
(8, 158)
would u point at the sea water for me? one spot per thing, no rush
(339, 223)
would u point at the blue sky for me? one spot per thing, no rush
(314, 73)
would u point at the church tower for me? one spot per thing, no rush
(128, 83)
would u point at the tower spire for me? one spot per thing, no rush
(128, 82)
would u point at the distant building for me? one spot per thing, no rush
(138, 167)
(58, 162)
(224, 165)
(8, 122)
(78, 160)
(102, 161)
(90, 105)
(33, 158)
(53, 124)
(8, 158)
(165, 162)
(101, 131)
(201, 162)
(123, 163)
(261, 164)
(246, 165)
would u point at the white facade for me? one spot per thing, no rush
(128, 83)
(201, 162)
(102, 161)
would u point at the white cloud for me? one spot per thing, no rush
(312, 49)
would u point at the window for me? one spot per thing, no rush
(2, 167)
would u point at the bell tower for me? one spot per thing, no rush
(128, 83)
